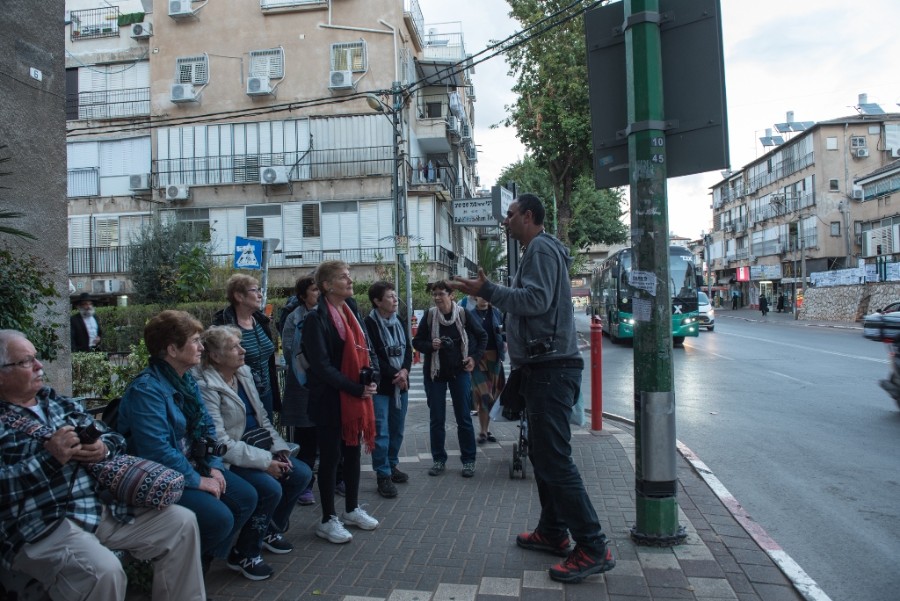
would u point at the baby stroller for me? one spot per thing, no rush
(518, 465)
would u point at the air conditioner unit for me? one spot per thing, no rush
(141, 31)
(340, 80)
(139, 181)
(453, 125)
(183, 92)
(459, 191)
(858, 193)
(178, 192)
(277, 174)
(258, 86)
(106, 286)
(466, 131)
(729, 228)
(861, 153)
(180, 9)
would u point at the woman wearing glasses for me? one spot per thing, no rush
(342, 379)
(243, 312)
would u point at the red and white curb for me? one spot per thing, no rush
(805, 585)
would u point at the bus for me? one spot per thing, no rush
(611, 295)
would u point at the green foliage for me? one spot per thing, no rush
(11, 231)
(551, 114)
(170, 263)
(130, 19)
(491, 257)
(597, 215)
(28, 296)
(99, 376)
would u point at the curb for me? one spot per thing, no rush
(801, 581)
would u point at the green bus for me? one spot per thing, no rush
(613, 287)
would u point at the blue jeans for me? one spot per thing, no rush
(550, 393)
(220, 519)
(277, 498)
(389, 424)
(461, 395)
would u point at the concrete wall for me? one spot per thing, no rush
(847, 303)
(32, 126)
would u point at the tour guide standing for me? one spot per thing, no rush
(542, 343)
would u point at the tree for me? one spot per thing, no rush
(596, 214)
(28, 295)
(491, 256)
(170, 263)
(551, 114)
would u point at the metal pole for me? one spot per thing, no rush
(654, 397)
(596, 374)
(401, 223)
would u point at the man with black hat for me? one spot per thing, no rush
(84, 328)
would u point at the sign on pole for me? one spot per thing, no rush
(474, 212)
(248, 253)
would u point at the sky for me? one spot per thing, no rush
(813, 57)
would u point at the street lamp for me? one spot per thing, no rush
(401, 223)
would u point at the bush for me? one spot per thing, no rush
(28, 296)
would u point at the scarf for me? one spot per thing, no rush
(437, 319)
(191, 406)
(391, 335)
(357, 414)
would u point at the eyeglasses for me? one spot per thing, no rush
(253, 291)
(27, 363)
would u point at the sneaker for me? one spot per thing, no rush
(359, 518)
(386, 488)
(341, 488)
(276, 543)
(580, 564)
(468, 470)
(437, 469)
(307, 498)
(398, 476)
(252, 568)
(535, 541)
(333, 530)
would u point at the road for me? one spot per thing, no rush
(791, 419)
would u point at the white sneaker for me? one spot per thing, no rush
(359, 518)
(333, 531)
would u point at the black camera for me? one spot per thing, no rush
(206, 447)
(88, 429)
(366, 376)
(446, 342)
(540, 347)
(393, 351)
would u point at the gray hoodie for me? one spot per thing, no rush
(539, 304)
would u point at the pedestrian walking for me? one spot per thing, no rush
(763, 305)
(543, 348)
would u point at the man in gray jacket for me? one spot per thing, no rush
(542, 343)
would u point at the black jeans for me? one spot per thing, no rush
(550, 393)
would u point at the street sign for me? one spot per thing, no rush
(502, 198)
(474, 212)
(248, 253)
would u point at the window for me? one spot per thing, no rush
(264, 4)
(831, 143)
(349, 56)
(835, 229)
(834, 185)
(858, 142)
(267, 63)
(192, 69)
(311, 221)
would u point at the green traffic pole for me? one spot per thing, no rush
(654, 398)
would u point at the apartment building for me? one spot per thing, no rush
(800, 205)
(277, 119)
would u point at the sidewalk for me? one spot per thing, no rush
(448, 538)
(786, 318)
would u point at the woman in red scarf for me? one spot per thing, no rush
(343, 377)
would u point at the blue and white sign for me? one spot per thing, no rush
(247, 253)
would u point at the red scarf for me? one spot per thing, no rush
(357, 414)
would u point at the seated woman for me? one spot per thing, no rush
(231, 400)
(163, 418)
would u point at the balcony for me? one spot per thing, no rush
(415, 22)
(94, 23)
(244, 169)
(438, 178)
(109, 104)
(83, 182)
(99, 260)
(444, 47)
(432, 122)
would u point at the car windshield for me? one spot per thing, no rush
(702, 298)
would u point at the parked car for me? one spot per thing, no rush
(872, 321)
(707, 313)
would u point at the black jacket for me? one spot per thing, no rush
(227, 317)
(385, 387)
(324, 350)
(475, 333)
(78, 334)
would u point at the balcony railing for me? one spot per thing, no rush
(111, 104)
(444, 46)
(413, 13)
(420, 174)
(83, 182)
(244, 169)
(98, 260)
(95, 23)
